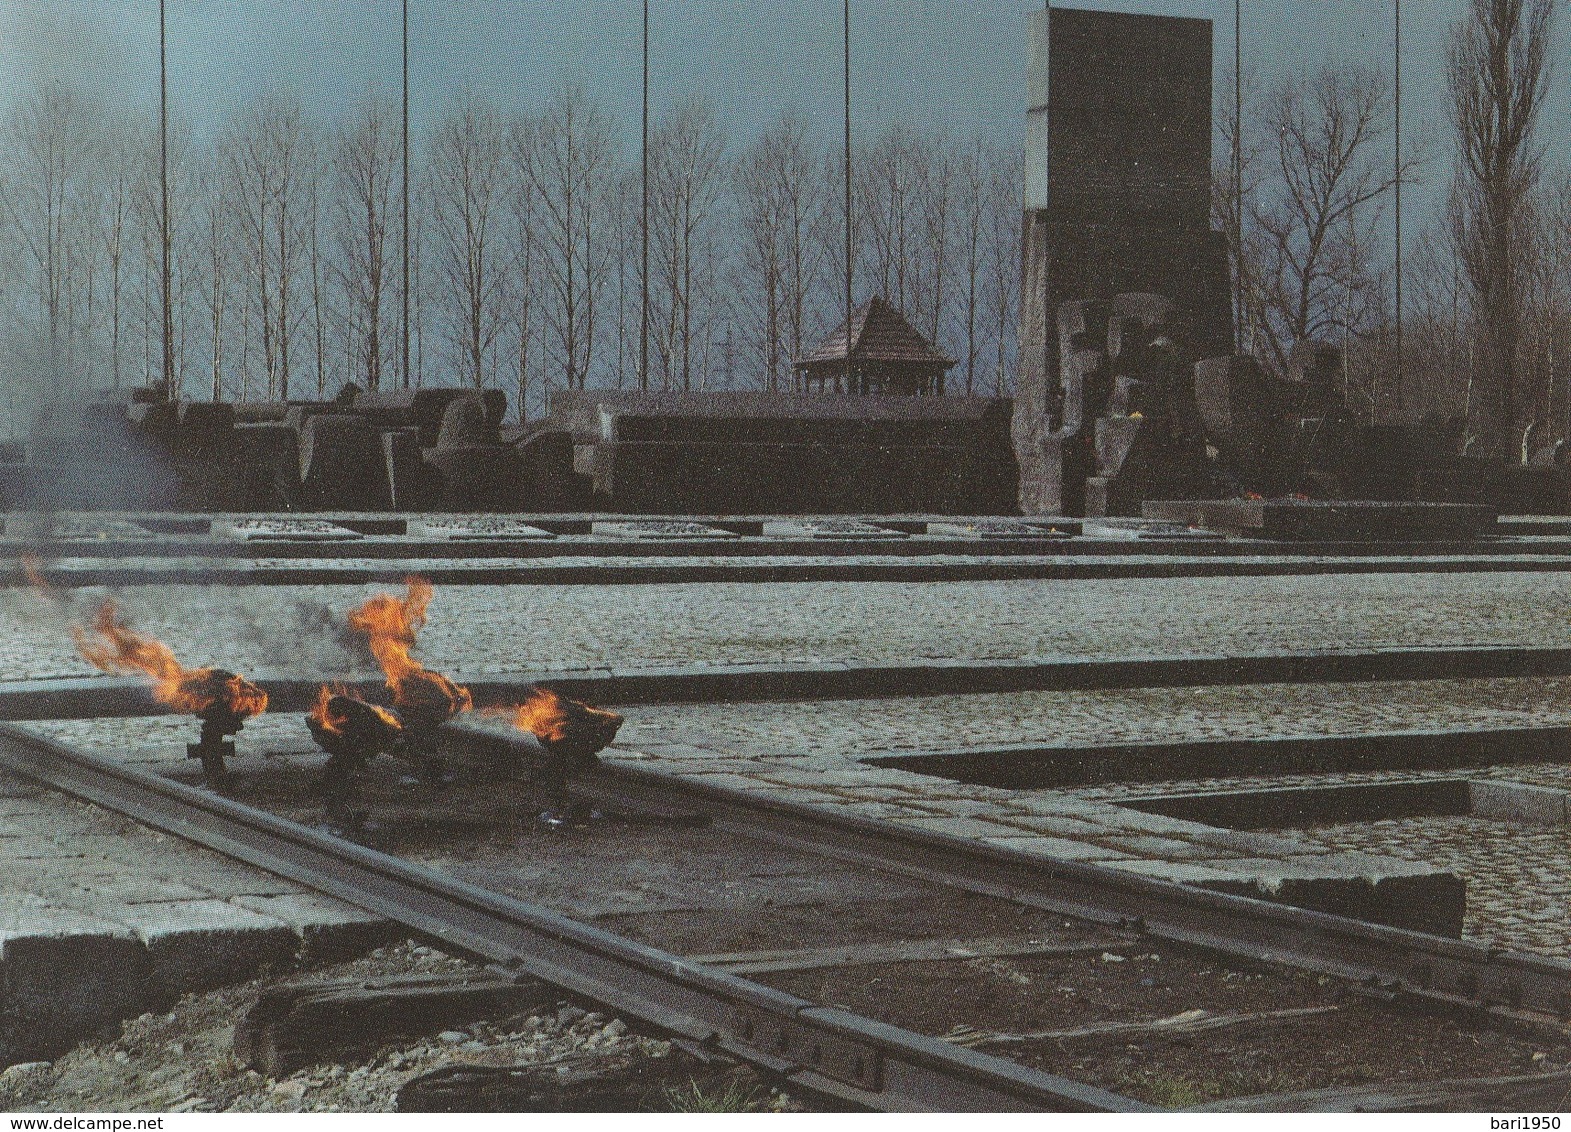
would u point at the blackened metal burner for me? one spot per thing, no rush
(572, 736)
(230, 700)
(352, 732)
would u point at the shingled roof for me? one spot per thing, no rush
(879, 333)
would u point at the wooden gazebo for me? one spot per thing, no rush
(887, 356)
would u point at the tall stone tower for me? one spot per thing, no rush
(1117, 195)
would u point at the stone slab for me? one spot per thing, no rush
(198, 944)
(1290, 519)
(328, 929)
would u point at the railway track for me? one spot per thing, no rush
(757, 1003)
(830, 1052)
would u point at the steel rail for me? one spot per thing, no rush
(820, 1049)
(1449, 973)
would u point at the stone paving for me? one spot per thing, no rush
(1518, 876)
(859, 727)
(523, 628)
(111, 880)
(102, 918)
(1050, 825)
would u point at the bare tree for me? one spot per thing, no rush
(1001, 297)
(886, 179)
(1498, 68)
(687, 152)
(935, 196)
(124, 140)
(525, 284)
(778, 208)
(570, 166)
(468, 204)
(1314, 276)
(270, 160)
(365, 161)
(218, 235)
(49, 203)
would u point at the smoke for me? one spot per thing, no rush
(302, 634)
(261, 628)
(250, 629)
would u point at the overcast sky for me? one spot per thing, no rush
(951, 63)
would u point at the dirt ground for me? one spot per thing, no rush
(183, 1061)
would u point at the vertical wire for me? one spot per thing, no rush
(1397, 100)
(847, 13)
(1238, 176)
(406, 378)
(643, 322)
(163, 178)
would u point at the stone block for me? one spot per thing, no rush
(65, 974)
(424, 409)
(199, 944)
(269, 457)
(466, 424)
(1082, 325)
(1241, 418)
(1134, 321)
(1161, 848)
(1405, 897)
(1058, 848)
(1179, 872)
(549, 478)
(1518, 801)
(475, 478)
(329, 930)
(1293, 519)
(412, 485)
(342, 467)
(973, 829)
(1056, 826)
(205, 427)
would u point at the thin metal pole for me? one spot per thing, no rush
(405, 138)
(1238, 175)
(404, 147)
(643, 228)
(847, 11)
(1397, 100)
(163, 177)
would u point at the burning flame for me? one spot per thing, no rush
(113, 646)
(551, 717)
(33, 570)
(390, 624)
(332, 718)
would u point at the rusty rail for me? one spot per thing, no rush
(823, 1050)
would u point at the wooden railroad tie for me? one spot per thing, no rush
(306, 1023)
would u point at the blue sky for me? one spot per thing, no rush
(933, 62)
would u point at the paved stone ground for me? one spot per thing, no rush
(809, 753)
(850, 728)
(1518, 876)
(760, 757)
(102, 918)
(526, 628)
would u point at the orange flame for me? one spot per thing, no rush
(33, 570)
(120, 649)
(333, 719)
(551, 717)
(390, 625)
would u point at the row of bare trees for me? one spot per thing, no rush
(1487, 312)
(525, 241)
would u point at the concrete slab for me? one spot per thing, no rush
(198, 944)
(328, 929)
